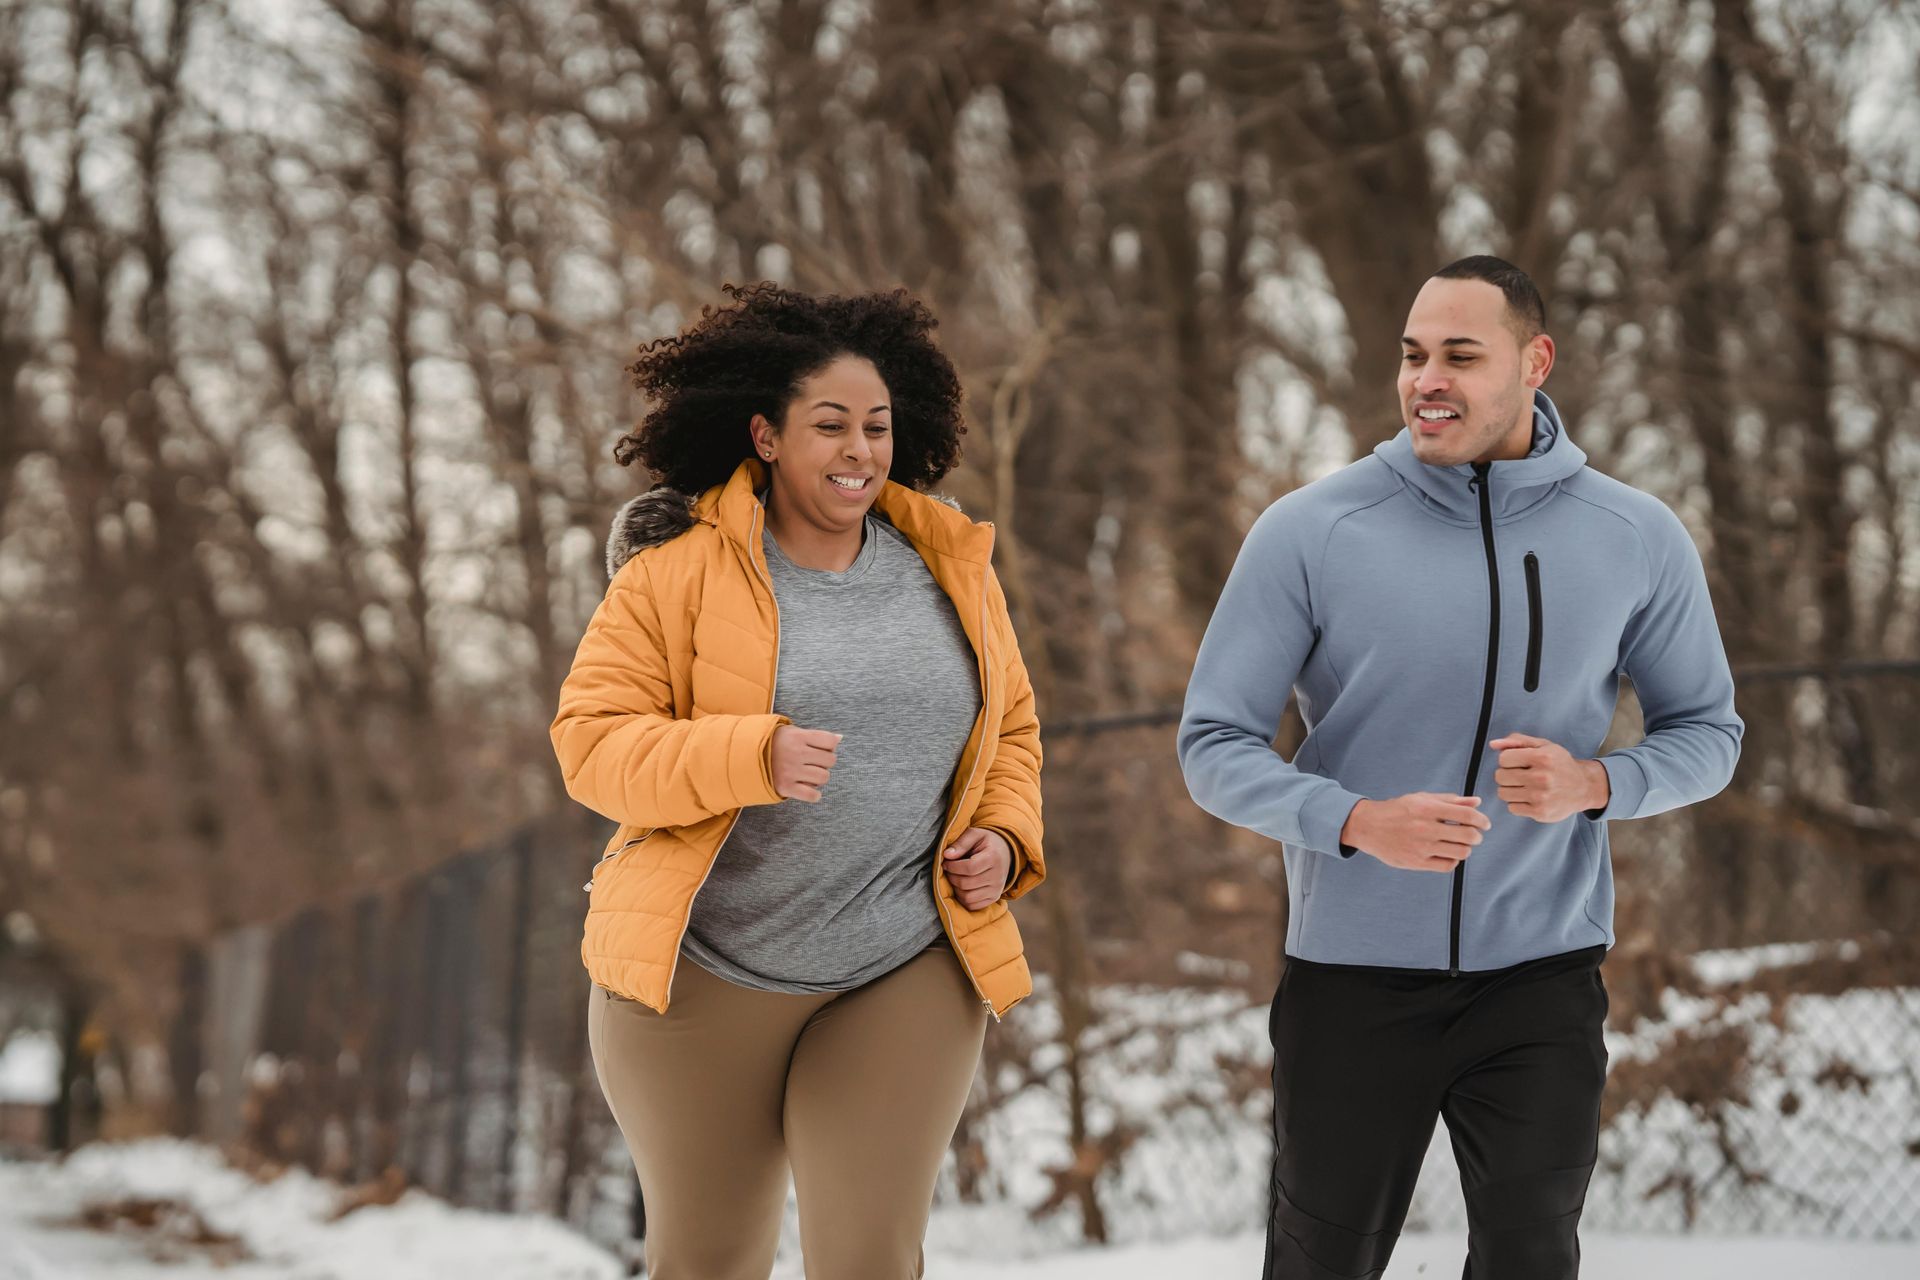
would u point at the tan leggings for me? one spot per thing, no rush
(859, 1092)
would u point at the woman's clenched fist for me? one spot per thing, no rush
(803, 761)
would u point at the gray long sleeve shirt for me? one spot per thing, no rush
(825, 897)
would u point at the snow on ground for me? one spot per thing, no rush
(283, 1224)
(30, 1068)
(1739, 964)
(1185, 1072)
(1829, 1124)
(1830, 1120)
(1440, 1255)
(1827, 1139)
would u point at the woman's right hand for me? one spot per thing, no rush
(802, 761)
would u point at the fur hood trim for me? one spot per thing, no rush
(661, 515)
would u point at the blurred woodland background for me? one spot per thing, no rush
(313, 318)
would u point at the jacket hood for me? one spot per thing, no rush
(1516, 484)
(656, 516)
(662, 514)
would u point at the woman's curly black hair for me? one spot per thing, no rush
(751, 355)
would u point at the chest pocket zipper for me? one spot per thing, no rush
(1535, 624)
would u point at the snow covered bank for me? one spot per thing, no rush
(285, 1227)
(1811, 1127)
(1440, 1254)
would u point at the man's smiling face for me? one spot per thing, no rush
(1467, 374)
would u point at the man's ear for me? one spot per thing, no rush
(1536, 359)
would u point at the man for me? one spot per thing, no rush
(1455, 612)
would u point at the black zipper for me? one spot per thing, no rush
(1479, 482)
(1534, 624)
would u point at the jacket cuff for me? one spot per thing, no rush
(1323, 816)
(751, 774)
(1021, 864)
(1626, 788)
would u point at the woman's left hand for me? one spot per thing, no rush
(977, 866)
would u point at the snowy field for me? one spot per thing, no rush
(1825, 1144)
(226, 1226)
(1829, 1118)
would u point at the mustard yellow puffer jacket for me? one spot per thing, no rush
(666, 724)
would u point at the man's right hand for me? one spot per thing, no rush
(802, 761)
(1423, 831)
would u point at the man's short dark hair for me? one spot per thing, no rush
(1526, 310)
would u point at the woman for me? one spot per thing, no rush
(802, 701)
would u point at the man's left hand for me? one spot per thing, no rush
(1544, 781)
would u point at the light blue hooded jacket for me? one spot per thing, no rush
(1420, 614)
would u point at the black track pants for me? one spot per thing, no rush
(1364, 1059)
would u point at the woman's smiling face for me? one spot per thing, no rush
(833, 451)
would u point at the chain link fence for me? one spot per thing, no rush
(1764, 1035)
(433, 1034)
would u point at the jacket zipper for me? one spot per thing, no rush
(1534, 623)
(1481, 483)
(614, 853)
(753, 541)
(986, 675)
(773, 685)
